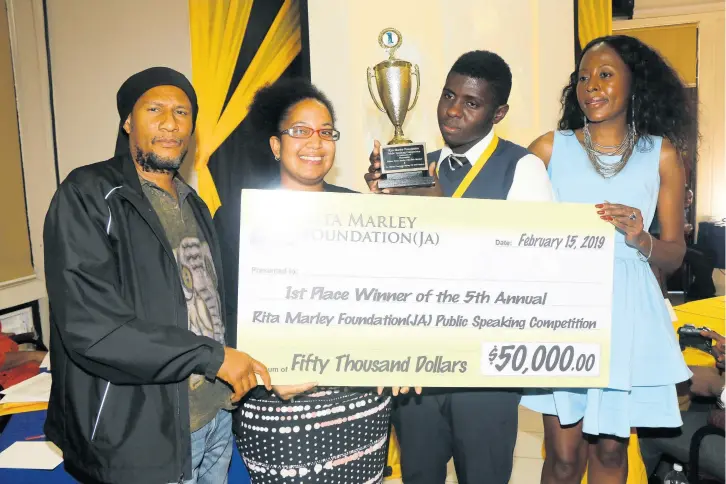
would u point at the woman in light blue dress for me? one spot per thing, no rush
(624, 122)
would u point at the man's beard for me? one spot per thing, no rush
(153, 163)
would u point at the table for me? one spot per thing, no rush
(23, 425)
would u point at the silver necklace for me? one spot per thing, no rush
(595, 150)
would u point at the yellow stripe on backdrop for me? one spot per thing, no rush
(594, 19)
(217, 29)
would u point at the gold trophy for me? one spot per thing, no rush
(403, 163)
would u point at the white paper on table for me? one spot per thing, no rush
(31, 455)
(46, 361)
(36, 389)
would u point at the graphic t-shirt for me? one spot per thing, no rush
(199, 282)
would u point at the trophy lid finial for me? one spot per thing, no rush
(390, 39)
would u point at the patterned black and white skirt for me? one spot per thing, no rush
(328, 436)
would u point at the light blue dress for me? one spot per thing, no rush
(646, 361)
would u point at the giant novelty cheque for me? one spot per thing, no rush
(366, 290)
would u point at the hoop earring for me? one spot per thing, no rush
(277, 158)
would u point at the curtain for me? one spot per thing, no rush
(217, 30)
(677, 43)
(594, 19)
(243, 160)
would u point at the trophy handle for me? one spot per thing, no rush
(418, 86)
(370, 90)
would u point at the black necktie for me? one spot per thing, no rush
(457, 161)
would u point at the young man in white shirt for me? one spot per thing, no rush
(477, 427)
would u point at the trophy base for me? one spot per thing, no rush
(406, 179)
(404, 166)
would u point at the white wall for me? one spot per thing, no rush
(95, 45)
(710, 193)
(27, 40)
(710, 168)
(663, 8)
(534, 36)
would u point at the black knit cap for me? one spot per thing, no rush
(135, 87)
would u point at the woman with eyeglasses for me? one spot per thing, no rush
(307, 433)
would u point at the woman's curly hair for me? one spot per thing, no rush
(661, 106)
(271, 104)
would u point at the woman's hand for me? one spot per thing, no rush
(401, 390)
(286, 392)
(628, 220)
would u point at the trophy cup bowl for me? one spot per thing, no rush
(403, 162)
(393, 82)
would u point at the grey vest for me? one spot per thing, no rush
(494, 179)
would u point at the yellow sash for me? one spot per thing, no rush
(464, 185)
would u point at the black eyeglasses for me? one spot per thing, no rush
(328, 134)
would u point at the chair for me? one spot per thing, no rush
(695, 451)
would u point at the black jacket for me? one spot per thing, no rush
(121, 347)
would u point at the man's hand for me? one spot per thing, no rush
(374, 174)
(286, 392)
(401, 390)
(239, 369)
(719, 347)
(706, 381)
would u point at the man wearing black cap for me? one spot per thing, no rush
(135, 285)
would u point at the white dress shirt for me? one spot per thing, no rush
(531, 182)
